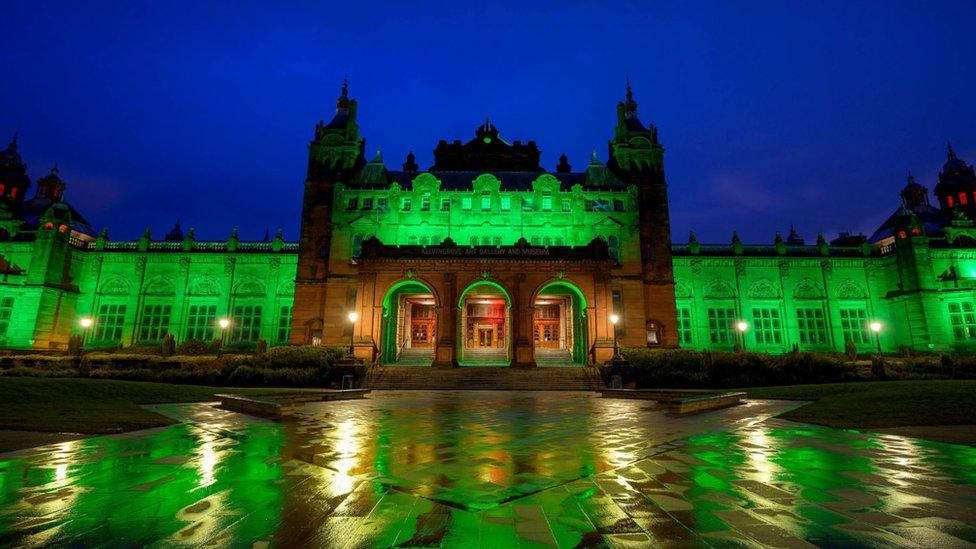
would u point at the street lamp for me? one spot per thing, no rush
(353, 316)
(876, 328)
(614, 319)
(223, 323)
(86, 323)
(742, 326)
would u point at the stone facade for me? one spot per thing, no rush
(488, 258)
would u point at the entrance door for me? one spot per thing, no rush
(422, 324)
(485, 337)
(546, 327)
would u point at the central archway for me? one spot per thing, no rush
(484, 325)
(409, 325)
(559, 336)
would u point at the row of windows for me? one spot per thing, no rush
(547, 204)
(201, 323)
(767, 326)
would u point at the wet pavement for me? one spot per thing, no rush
(483, 469)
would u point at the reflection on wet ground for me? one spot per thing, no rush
(490, 469)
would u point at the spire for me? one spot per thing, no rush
(950, 154)
(630, 106)
(176, 233)
(12, 147)
(342, 103)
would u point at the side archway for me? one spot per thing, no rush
(559, 324)
(409, 321)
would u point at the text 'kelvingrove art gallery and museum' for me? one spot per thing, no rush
(488, 258)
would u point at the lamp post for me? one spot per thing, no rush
(86, 324)
(353, 316)
(223, 323)
(742, 326)
(614, 319)
(876, 328)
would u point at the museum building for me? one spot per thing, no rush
(488, 258)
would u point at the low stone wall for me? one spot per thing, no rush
(279, 405)
(680, 401)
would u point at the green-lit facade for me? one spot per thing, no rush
(486, 258)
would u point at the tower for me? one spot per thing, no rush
(13, 180)
(335, 154)
(637, 158)
(957, 184)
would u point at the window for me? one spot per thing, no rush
(284, 324)
(425, 203)
(405, 204)
(547, 241)
(496, 241)
(6, 311)
(618, 205)
(247, 323)
(200, 321)
(949, 201)
(811, 326)
(963, 320)
(486, 202)
(155, 322)
(567, 204)
(367, 203)
(684, 325)
(963, 198)
(547, 202)
(352, 204)
(767, 326)
(506, 203)
(445, 204)
(382, 205)
(852, 322)
(357, 245)
(559, 241)
(466, 203)
(720, 321)
(109, 322)
(535, 241)
(614, 244)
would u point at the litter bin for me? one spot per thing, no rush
(347, 382)
(616, 382)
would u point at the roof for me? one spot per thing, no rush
(932, 219)
(32, 210)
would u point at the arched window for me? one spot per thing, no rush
(547, 241)
(1, 189)
(496, 241)
(357, 245)
(474, 240)
(535, 240)
(559, 241)
(13, 192)
(424, 241)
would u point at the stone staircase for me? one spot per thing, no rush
(416, 357)
(486, 357)
(545, 358)
(483, 379)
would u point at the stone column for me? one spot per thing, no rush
(522, 309)
(445, 352)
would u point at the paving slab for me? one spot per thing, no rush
(490, 469)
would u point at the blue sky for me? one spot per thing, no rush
(809, 113)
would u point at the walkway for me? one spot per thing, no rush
(493, 470)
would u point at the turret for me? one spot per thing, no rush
(50, 259)
(957, 184)
(13, 178)
(337, 147)
(50, 187)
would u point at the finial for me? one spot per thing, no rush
(267, 235)
(279, 234)
(631, 105)
(345, 85)
(13, 143)
(951, 153)
(594, 159)
(692, 237)
(54, 170)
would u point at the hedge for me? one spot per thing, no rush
(279, 367)
(704, 369)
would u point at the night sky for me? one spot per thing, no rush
(771, 113)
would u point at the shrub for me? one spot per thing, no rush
(261, 347)
(192, 347)
(299, 357)
(74, 345)
(168, 345)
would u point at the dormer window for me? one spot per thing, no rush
(963, 199)
(352, 204)
(950, 202)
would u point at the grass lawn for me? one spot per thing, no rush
(880, 404)
(91, 405)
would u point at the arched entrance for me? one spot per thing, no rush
(409, 325)
(559, 335)
(484, 325)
